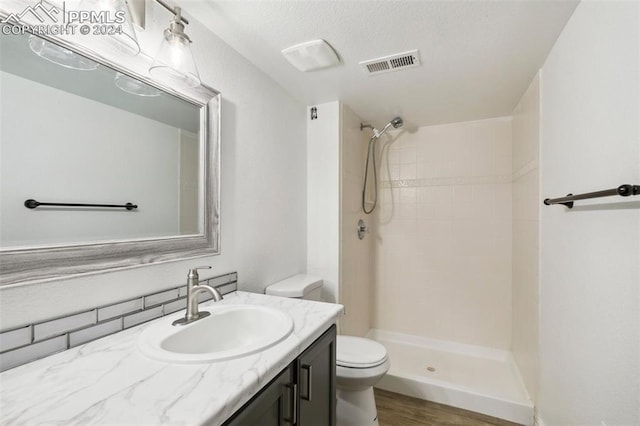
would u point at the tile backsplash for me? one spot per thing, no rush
(34, 341)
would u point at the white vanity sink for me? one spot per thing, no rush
(231, 331)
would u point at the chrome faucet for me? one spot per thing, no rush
(193, 289)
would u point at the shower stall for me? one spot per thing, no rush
(445, 273)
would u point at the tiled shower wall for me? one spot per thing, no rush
(526, 246)
(443, 243)
(356, 266)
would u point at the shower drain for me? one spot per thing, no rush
(432, 369)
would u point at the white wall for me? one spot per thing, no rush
(443, 243)
(144, 170)
(323, 198)
(356, 256)
(590, 255)
(524, 242)
(263, 224)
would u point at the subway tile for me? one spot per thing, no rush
(119, 309)
(424, 152)
(394, 171)
(95, 332)
(182, 291)
(385, 196)
(502, 164)
(144, 316)
(204, 296)
(408, 155)
(33, 352)
(228, 288)
(15, 338)
(175, 306)
(394, 156)
(483, 165)
(443, 194)
(408, 195)
(484, 201)
(446, 168)
(386, 210)
(463, 193)
(425, 194)
(16, 347)
(72, 322)
(214, 282)
(407, 171)
(158, 298)
(408, 211)
(502, 139)
(463, 209)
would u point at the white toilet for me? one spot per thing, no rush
(360, 362)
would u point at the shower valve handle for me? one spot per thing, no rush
(362, 229)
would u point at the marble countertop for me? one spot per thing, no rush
(108, 381)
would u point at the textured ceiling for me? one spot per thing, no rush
(478, 57)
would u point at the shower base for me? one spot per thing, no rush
(475, 378)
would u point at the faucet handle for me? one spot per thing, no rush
(193, 272)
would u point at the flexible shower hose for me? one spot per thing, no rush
(371, 152)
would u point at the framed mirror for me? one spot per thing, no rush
(101, 168)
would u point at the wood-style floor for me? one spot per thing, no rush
(399, 410)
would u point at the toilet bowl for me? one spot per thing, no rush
(360, 362)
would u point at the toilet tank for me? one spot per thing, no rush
(301, 286)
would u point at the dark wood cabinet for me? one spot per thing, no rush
(273, 406)
(303, 394)
(316, 372)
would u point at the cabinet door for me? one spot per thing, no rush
(273, 406)
(316, 372)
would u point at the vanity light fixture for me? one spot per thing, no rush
(124, 41)
(174, 63)
(55, 53)
(59, 55)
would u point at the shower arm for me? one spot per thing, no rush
(377, 133)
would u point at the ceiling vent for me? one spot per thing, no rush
(390, 63)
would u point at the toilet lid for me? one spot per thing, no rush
(357, 352)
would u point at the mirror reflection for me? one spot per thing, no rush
(92, 136)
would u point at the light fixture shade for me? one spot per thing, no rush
(125, 41)
(59, 55)
(135, 87)
(174, 63)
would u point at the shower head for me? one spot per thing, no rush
(396, 122)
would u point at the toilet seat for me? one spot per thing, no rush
(358, 352)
